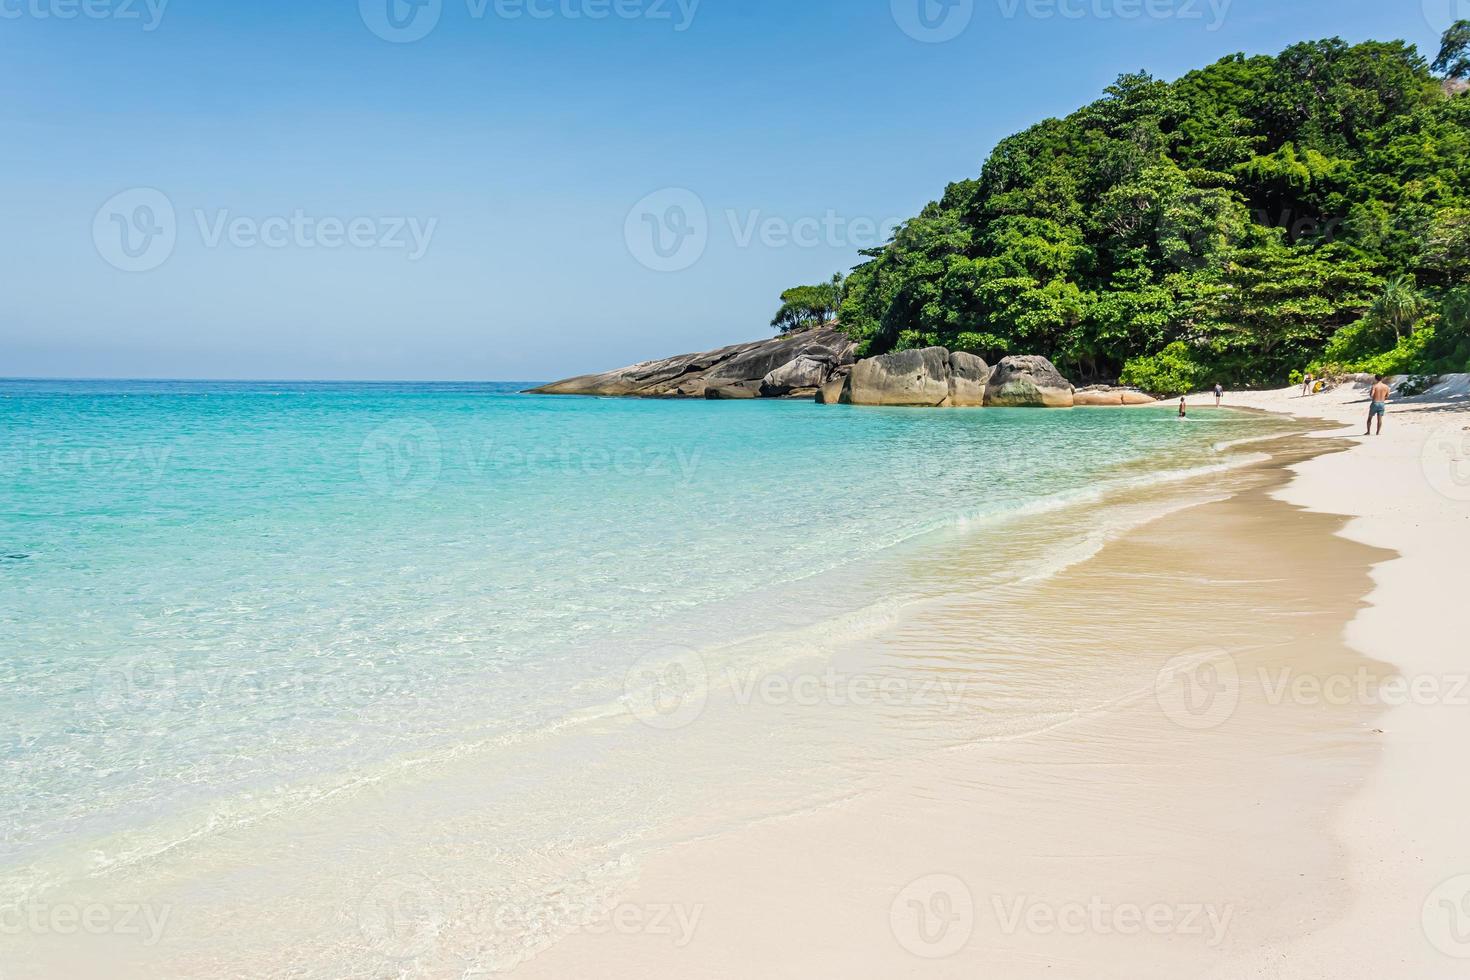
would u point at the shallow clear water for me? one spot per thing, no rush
(216, 594)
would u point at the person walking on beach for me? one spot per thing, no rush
(1379, 408)
(1219, 394)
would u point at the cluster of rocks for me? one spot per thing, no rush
(790, 366)
(821, 363)
(936, 377)
(1106, 395)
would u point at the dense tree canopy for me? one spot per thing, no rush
(1251, 219)
(805, 307)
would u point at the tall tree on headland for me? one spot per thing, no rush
(1454, 52)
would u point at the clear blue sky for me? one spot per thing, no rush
(309, 200)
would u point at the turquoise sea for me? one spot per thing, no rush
(225, 600)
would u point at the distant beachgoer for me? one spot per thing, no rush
(1219, 394)
(1379, 408)
(1307, 385)
(1183, 408)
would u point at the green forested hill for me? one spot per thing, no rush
(1249, 220)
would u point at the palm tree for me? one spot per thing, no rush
(1400, 305)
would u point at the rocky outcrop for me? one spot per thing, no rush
(968, 378)
(812, 368)
(1098, 396)
(1028, 381)
(910, 378)
(793, 365)
(820, 364)
(831, 392)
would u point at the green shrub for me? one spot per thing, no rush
(1351, 349)
(1172, 371)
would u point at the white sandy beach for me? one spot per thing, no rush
(1409, 491)
(1317, 834)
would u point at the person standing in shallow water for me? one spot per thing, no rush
(1379, 408)
(1183, 408)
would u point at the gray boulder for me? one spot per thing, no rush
(831, 392)
(810, 370)
(1029, 381)
(968, 379)
(908, 378)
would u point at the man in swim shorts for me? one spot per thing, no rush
(1379, 408)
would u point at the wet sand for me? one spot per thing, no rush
(1164, 830)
